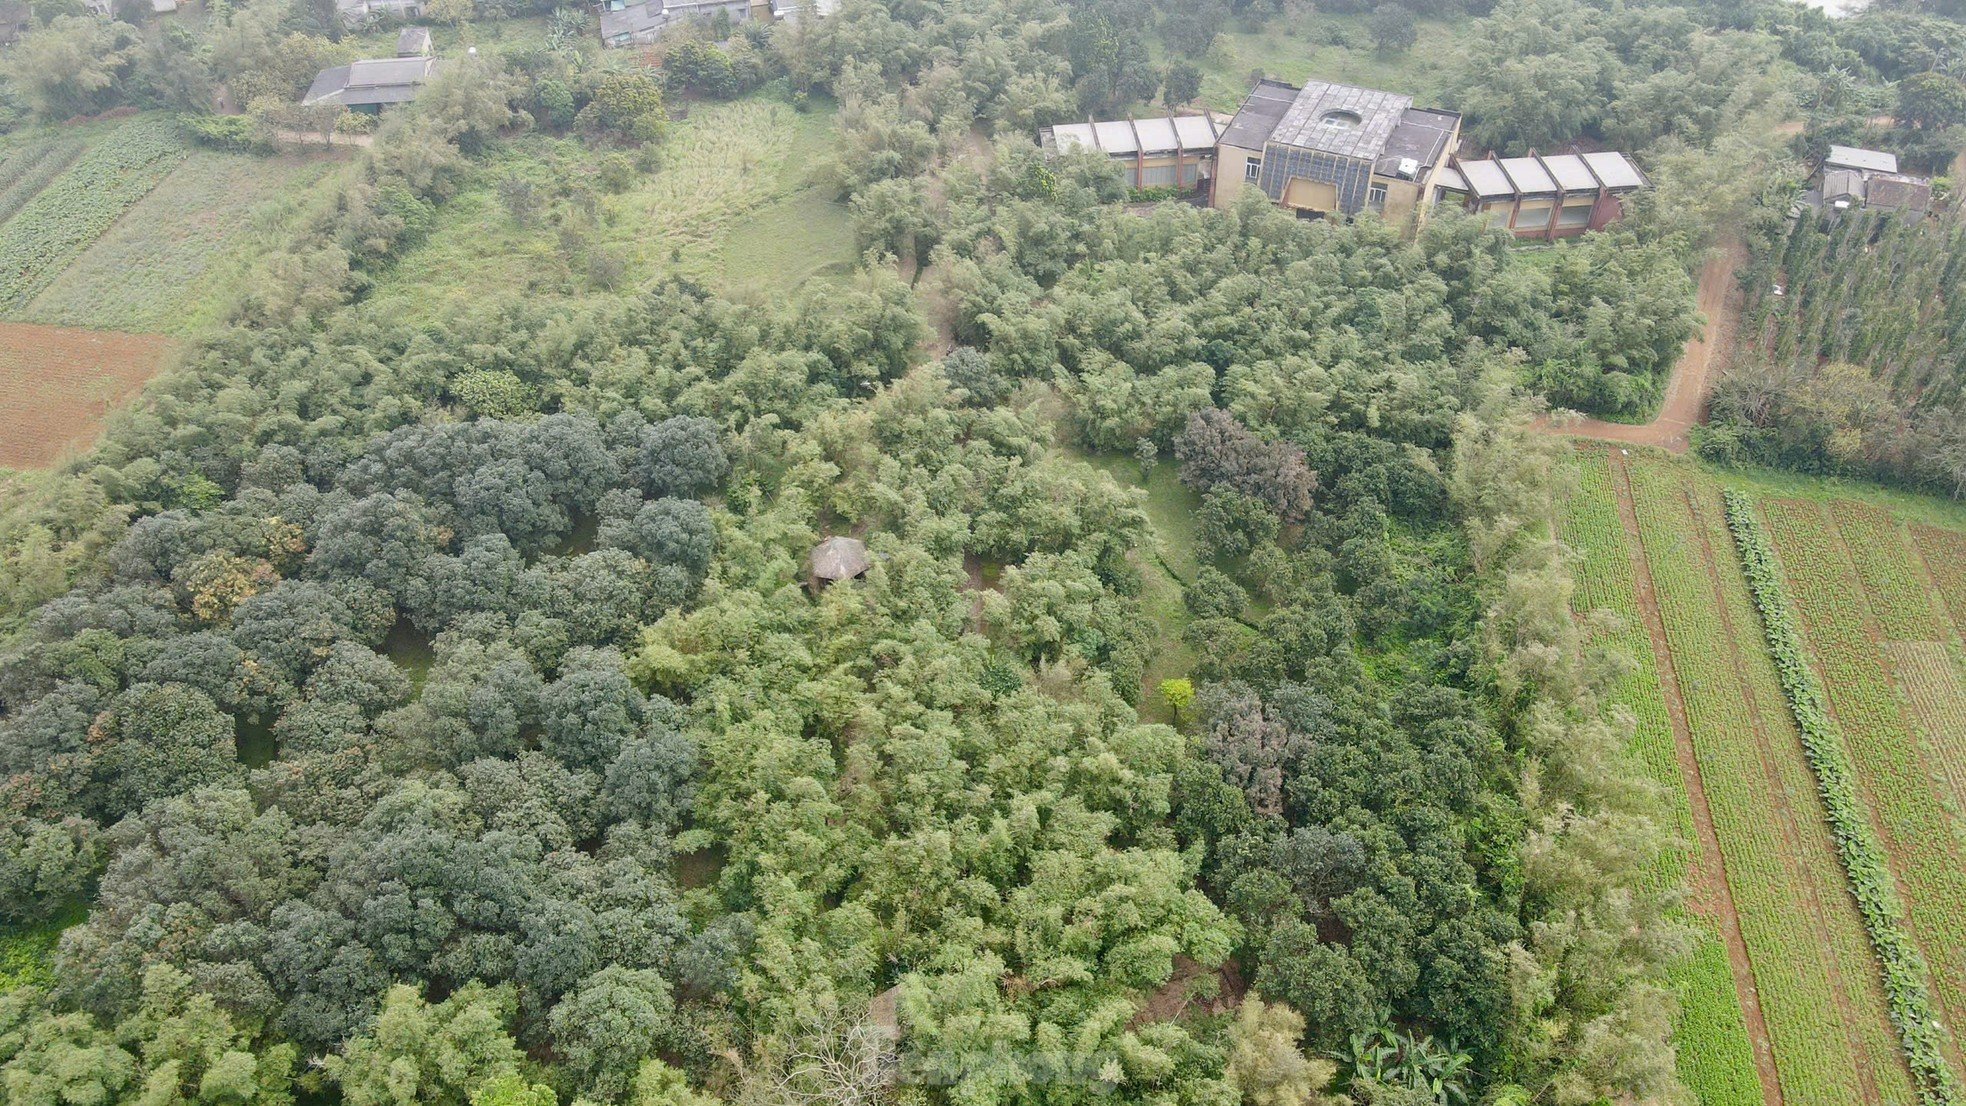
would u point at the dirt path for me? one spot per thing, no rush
(1711, 892)
(1692, 377)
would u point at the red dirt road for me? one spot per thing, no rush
(1685, 405)
(57, 383)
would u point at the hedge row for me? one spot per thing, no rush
(1906, 986)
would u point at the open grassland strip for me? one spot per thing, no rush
(1893, 580)
(1944, 553)
(169, 265)
(1815, 979)
(1721, 1041)
(29, 169)
(1893, 782)
(74, 210)
(1769, 571)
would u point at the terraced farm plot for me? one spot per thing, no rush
(1944, 553)
(28, 167)
(74, 209)
(168, 265)
(1716, 1055)
(56, 384)
(1900, 780)
(1815, 975)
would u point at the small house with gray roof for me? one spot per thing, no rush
(372, 84)
(1850, 177)
(1328, 149)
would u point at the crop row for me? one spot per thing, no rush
(1834, 617)
(1715, 1057)
(1945, 557)
(1812, 968)
(1907, 987)
(29, 169)
(74, 210)
(1936, 702)
(1887, 566)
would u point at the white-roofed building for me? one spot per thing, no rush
(1544, 197)
(1175, 151)
(1862, 160)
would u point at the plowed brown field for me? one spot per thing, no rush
(57, 383)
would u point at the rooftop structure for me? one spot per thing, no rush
(838, 558)
(413, 42)
(1863, 161)
(373, 83)
(1173, 151)
(1544, 196)
(1335, 149)
(627, 24)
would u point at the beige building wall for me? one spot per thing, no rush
(1229, 170)
(1402, 198)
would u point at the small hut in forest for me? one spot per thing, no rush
(836, 559)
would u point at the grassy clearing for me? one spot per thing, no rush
(1897, 780)
(1332, 48)
(735, 202)
(24, 950)
(1814, 973)
(174, 263)
(448, 41)
(1715, 1057)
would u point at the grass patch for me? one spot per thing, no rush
(446, 41)
(24, 950)
(735, 201)
(175, 263)
(1331, 48)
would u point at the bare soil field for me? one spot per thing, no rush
(57, 383)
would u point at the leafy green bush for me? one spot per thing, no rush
(1906, 987)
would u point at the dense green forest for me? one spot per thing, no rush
(1850, 355)
(437, 711)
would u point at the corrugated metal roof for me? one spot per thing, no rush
(1843, 183)
(1069, 136)
(1855, 157)
(379, 72)
(1570, 173)
(1486, 179)
(1341, 119)
(1528, 175)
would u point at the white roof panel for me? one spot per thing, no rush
(1071, 136)
(1155, 134)
(1615, 170)
(1570, 173)
(1115, 136)
(1486, 179)
(1528, 175)
(1451, 179)
(1853, 157)
(1194, 132)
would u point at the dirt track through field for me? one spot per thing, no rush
(1709, 877)
(1685, 405)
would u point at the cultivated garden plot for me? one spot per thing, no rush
(68, 213)
(170, 263)
(1715, 1053)
(1897, 776)
(1815, 974)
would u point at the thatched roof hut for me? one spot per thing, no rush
(838, 558)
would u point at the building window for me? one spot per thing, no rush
(1574, 215)
(1250, 168)
(1340, 120)
(1375, 198)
